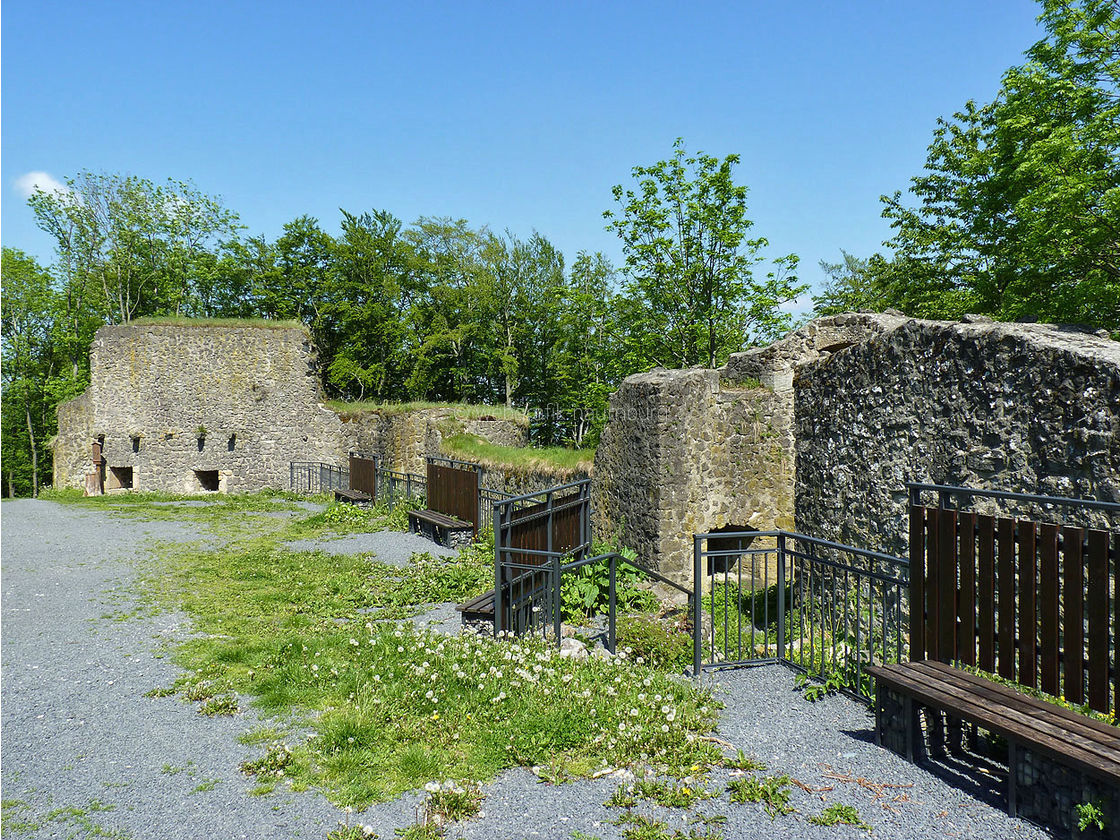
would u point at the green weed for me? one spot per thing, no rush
(837, 814)
(771, 791)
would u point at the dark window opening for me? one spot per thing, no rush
(232, 443)
(119, 478)
(207, 480)
(136, 443)
(723, 563)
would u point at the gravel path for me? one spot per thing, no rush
(86, 754)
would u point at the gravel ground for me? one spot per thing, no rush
(86, 754)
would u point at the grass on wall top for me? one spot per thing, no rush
(554, 459)
(183, 321)
(461, 410)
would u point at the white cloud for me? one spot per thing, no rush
(30, 183)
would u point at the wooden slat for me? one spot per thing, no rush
(986, 612)
(917, 582)
(997, 713)
(1073, 596)
(966, 600)
(946, 585)
(1048, 627)
(1005, 612)
(1100, 731)
(1097, 606)
(1116, 621)
(933, 528)
(1028, 616)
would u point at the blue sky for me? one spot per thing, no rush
(514, 115)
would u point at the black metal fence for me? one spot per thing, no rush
(314, 477)
(824, 608)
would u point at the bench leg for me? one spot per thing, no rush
(1012, 778)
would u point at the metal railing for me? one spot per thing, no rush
(315, 477)
(547, 613)
(947, 494)
(824, 608)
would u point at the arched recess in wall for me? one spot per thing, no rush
(727, 563)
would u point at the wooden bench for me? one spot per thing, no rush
(1057, 759)
(354, 497)
(441, 528)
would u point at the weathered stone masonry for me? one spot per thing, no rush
(820, 431)
(254, 389)
(154, 388)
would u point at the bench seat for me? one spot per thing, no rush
(352, 496)
(440, 528)
(1057, 758)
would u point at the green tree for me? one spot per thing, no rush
(29, 369)
(852, 286)
(1018, 210)
(694, 295)
(133, 247)
(365, 306)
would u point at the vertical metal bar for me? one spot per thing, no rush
(697, 606)
(556, 616)
(498, 617)
(612, 600)
(781, 596)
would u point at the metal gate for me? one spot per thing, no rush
(534, 536)
(363, 474)
(778, 596)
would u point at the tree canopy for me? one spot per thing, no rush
(692, 293)
(1017, 213)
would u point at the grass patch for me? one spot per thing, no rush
(390, 707)
(1083, 709)
(771, 791)
(557, 459)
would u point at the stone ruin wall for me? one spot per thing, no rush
(255, 390)
(1026, 408)
(820, 431)
(404, 440)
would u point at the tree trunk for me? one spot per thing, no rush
(34, 455)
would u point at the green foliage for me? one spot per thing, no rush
(814, 690)
(585, 592)
(742, 761)
(641, 827)
(655, 643)
(692, 294)
(771, 791)
(837, 814)
(1089, 814)
(1109, 717)
(1016, 210)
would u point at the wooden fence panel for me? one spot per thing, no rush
(1073, 591)
(1038, 603)
(454, 491)
(1028, 615)
(918, 617)
(1005, 607)
(1048, 613)
(363, 475)
(986, 609)
(966, 598)
(1097, 607)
